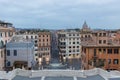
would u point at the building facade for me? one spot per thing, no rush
(20, 53)
(102, 51)
(44, 47)
(33, 37)
(69, 44)
(7, 31)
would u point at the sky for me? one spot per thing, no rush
(61, 14)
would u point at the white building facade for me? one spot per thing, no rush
(33, 37)
(20, 54)
(69, 44)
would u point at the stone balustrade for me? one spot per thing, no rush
(53, 73)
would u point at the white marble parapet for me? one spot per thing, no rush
(56, 73)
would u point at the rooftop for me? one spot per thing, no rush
(20, 42)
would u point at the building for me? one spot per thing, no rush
(2, 56)
(102, 51)
(44, 47)
(7, 31)
(69, 44)
(19, 53)
(33, 37)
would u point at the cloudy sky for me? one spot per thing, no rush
(58, 14)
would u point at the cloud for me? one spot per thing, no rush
(60, 13)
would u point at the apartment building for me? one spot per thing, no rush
(69, 44)
(102, 51)
(34, 38)
(44, 47)
(20, 53)
(7, 31)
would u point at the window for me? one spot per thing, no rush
(73, 50)
(8, 52)
(73, 34)
(104, 41)
(100, 34)
(109, 51)
(77, 46)
(47, 39)
(43, 35)
(89, 36)
(36, 45)
(115, 61)
(73, 46)
(43, 40)
(35, 37)
(26, 37)
(36, 54)
(77, 34)
(104, 50)
(69, 34)
(69, 46)
(77, 42)
(69, 50)
(104, 34)
(31, 37)
(36, 49)
(36, 41)
(116, 51)
(1, 34)
(109, 61)
(73, 42)
(100, 50)
(8, 63)
(77, 50)
(15, 52)
(69, 42)
(100, 41)
(47, 35)
(69, 54)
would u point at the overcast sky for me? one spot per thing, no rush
(58, 14)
